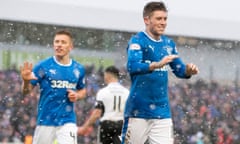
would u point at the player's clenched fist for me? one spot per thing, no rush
(191, 69)
(72, 95)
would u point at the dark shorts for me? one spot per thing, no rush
(110, 131)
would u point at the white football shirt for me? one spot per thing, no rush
(113, 96)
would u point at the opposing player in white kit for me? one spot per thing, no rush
(61, 82)
(109, 107)
(147, 112)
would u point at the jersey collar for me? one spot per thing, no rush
(70, 62)
(152, 38)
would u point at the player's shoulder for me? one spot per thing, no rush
(167, 39)
(48, 59)
(136, 41)
(45, 62)
(138, 36)
(77, 64)
(104, 89)
(102, 92)
(123, 87)
(126, 90)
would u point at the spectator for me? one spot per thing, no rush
(187, 100)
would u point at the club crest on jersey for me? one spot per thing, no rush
(76, 73)
(168, 49)
(134, 47)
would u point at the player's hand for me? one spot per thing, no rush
(26, 72)
(168, 59)
(82, 131)
(72, 95)
(164, 61)
(191, 69)
(85, 130)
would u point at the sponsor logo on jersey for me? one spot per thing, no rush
(62, 84)
(134, 47)
(147, 61)
(164, 68)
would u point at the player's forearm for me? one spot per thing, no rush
(155, 65)
(137, 67)
(26, 87)
(81, 94)
(90, 122)
(96, 114)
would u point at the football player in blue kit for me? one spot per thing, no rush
(61, 83)
(151, 54)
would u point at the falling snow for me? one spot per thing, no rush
(203, 108)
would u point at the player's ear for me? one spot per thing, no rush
(146, 20)
(71, 46)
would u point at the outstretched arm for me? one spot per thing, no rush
(95, 115)
(27, 75)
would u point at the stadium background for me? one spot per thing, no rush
(206, 108)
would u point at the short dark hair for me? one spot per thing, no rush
(64, 32)
(113, 70)
(150, 7)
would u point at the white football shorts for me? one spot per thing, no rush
(66, 134)
(155, 131)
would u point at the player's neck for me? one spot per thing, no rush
(112, 81)
(63, 59)
(156, 37)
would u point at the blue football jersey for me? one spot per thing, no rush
(149, 89)
(54, 79)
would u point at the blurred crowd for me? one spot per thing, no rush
(203, 113)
